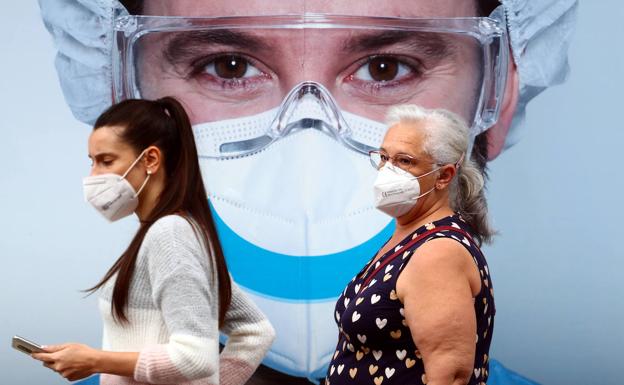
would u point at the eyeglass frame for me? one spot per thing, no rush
(393, 159)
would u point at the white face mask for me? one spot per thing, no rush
(111, 194)
(296, 221)
(396, 190)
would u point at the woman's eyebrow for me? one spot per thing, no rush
(434, 45)
(101, 155)
(184, 45)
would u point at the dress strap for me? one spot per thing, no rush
(412, 243)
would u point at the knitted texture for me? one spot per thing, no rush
(173, 316)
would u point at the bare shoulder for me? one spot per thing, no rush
(440, 254)
(439, 262)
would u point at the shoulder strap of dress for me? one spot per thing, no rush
(412, 243)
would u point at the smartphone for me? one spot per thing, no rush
(25, 346)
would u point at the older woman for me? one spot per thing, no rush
(422, 310)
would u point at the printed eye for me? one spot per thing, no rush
(231, 67)
(383, 69)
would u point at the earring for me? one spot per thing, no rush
(149, 172)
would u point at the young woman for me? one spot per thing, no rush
(166, 298)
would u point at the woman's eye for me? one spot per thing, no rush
(383, 69)
(404, 161)
(383, 157)
(231, 67)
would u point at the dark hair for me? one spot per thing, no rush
(486, 7)
(134, 7)
(164, 123)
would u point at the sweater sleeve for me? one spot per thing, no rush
(185, 294)
(250, 336)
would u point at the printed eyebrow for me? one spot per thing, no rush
(184, 45)
(433, 45)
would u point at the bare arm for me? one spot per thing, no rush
(437, 288)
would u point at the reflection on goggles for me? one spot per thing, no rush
(308, 106)
(230, 68)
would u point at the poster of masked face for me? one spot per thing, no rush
(286, 100)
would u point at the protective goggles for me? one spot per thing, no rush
(271, 72)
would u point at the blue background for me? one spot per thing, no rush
(555, 198)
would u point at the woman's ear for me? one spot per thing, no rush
(447, 173)
(152, 159)
(497, 134)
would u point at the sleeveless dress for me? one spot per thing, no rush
(375, 345)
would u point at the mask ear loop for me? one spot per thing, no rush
(399, 170)
(395, 169)
(460, 162)
(149, 173)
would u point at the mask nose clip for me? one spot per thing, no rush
(309, 123)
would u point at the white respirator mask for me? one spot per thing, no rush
(397, 191)
(111, 194)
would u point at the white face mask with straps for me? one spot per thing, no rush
(397, 191)
(111, 194)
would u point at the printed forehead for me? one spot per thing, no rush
(416, 8)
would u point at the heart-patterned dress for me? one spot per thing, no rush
(375, 345)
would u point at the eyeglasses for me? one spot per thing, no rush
(379, 159)
(225, 68)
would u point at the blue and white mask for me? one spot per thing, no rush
(295, 221)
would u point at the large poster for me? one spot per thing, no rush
(286, 100)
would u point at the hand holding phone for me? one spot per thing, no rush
(26, 346)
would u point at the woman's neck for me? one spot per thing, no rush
(149, 196)
(412, 221)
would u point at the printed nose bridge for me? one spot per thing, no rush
(309, 105)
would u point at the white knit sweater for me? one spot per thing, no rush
(173, 316)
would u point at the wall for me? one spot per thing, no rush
(556, 199)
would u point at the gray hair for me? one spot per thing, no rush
(447, 140)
